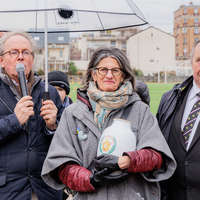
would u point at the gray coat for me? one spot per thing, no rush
(80, 146)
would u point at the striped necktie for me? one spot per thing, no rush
(191, 121)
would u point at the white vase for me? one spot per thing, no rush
(117, 138)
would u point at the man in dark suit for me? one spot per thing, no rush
(178, 117)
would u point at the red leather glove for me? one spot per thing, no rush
(76, 177)
(144, 160)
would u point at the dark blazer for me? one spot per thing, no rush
(24, 148)
(185, 183)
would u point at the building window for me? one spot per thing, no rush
(196, 39)
(185, 11)
(64, 68)
(113, 43)
(185, 21)
(108, 32)
(60, 38)
(61, 53)
(196, 30)
(184, 30)
(184, 40)
(196, 21)
(185, 51)
(123, 45)
(36, 38)
(195, 11)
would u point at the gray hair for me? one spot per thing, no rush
(115, 53)
(8, 35)
(193, 49)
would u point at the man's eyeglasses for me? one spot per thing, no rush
(103, 71)
(15, 53)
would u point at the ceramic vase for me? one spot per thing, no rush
(117, 138)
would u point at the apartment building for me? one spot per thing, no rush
(83, 47)
(89, 42)
(186, 29)
(58, 51)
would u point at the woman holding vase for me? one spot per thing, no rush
(72, 161)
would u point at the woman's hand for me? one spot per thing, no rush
(107, 161)
(124, 162)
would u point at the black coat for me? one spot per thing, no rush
(23, 149)
(185, 183)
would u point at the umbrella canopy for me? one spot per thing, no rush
(69, 15)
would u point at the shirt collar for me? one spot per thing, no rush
(195, 89)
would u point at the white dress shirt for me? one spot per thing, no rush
(191, 100)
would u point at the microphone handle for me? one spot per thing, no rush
(23, 84)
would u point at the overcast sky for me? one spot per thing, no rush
(159, 13)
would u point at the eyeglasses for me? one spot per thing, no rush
(15, 53)
(103, 71)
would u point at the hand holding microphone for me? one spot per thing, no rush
(22, 78)
(24, 108)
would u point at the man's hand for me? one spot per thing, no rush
(49, 114)
(24, 109)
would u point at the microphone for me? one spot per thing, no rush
(22, 79)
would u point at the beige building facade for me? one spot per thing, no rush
(151, 51)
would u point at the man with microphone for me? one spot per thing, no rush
(27, 122)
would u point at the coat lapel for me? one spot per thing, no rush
(177, 124)
(178, 119)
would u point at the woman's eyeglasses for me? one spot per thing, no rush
(103, 71)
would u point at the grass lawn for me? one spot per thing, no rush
(73, 88)
(156, 91)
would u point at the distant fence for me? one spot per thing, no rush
(169, 79)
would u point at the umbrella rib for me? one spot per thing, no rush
(92, 11)
(88, 30)
(130, 5)
(100, 21)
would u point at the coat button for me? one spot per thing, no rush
(186, 163)
(30, 149)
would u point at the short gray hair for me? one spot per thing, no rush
(115, 53)
(8, 35)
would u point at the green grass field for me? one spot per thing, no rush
(156, 91)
